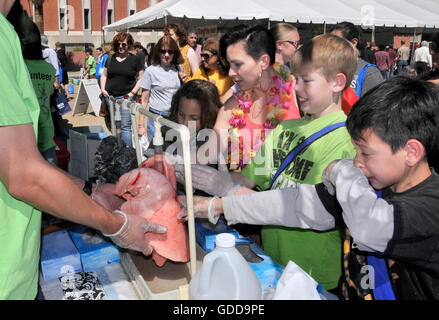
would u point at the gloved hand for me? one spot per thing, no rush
(215, 182)
(201, 205)
(203, 208)
(132, 234)
(103, 194)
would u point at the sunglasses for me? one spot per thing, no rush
(206, 56)
(163, 51)
(123, 44)
(293, 43)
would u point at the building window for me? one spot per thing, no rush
(131, 7)
(109, 16)
(63, 14)
(86, 19)
(110, 12)
(62, 19)
(86, 14)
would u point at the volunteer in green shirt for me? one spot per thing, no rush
(90, 65)
(29, 184)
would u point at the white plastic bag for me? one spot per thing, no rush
(144, 144)
(296, 284)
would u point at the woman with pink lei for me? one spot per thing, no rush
(263, 98)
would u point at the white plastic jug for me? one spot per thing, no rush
(225, 275)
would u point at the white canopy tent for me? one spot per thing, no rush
(198, 11)
(368, 13)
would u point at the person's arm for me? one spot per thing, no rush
(28, 177)
(193, 60)
(86, 71)
(302, 206)
(104, 82)
(137, 86)
(370, 219)
(145, 104)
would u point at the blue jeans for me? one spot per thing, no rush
(150, 129)
(401, 64)
(125, 123)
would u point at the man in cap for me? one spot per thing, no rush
(51, 57)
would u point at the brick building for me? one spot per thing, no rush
(78, 23)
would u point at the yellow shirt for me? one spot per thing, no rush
(186, 66)
(223, 83)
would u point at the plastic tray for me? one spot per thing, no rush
(170, 282)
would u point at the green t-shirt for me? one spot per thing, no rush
(42, 75)
(20, 223)
(318, 253)
(92, 63)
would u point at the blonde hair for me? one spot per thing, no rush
(327, 54)
(106, 48)
(281, 30)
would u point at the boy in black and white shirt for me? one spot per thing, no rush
(395, 130)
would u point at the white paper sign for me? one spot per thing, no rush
(88, 93)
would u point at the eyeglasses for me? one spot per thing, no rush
(123, 44)
(207, 56)
(293, 43)
(163, 51)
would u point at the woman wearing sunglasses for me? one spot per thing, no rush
(287, 43)
(213, 68)
(160, 81)
(263, 98)
(121, 78)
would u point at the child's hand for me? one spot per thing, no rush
(201, 206)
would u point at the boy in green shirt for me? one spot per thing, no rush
(324, 68)
(90, 65)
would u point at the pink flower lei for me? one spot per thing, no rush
(277, 109)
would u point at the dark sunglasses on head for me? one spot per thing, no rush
(123, 44)
(163, 51)
(293, 43)
(206, 56)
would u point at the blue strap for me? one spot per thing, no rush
(383, 287)
(302, 146)
(60, 73)
(361, 77)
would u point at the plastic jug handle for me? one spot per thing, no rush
(206, 271)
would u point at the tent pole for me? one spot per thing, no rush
(373, 34)
(324, 27)
(413, 46)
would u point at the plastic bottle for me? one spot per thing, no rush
(158, 148)
(225, 275)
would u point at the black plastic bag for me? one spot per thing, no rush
(113, 159)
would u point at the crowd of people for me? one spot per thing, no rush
(328, 147)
